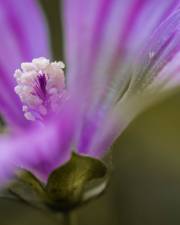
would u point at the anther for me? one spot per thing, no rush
(40, 86)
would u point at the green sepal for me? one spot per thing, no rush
(67, 185)
(79, 180)
(28, 188)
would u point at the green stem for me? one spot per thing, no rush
(70, 218)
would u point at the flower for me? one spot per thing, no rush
(117, 54)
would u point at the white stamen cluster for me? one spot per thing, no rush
(40, 86)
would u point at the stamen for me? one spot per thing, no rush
(40, 86)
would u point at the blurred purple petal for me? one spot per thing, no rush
(23, 37)
(109, 33)
(42, 148)
(101, 51)
(157, 69)
(160, 49)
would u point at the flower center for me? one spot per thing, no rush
(40, 86)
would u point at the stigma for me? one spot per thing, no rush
(40, 87)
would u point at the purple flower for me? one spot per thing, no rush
(118, 53)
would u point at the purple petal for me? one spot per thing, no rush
(109, 30)
(100, 50)
(160, 49)
(42, 148)
(23, 37)
(155, 73)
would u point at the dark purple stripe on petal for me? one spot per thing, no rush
(163, 44)
(129, 24)
(172, 7)
(99, 27)
(27, 26)
(17, 30)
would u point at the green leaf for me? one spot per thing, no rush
(66, 185)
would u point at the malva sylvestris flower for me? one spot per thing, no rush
(117, 52)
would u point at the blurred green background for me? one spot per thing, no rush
(145, 186)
